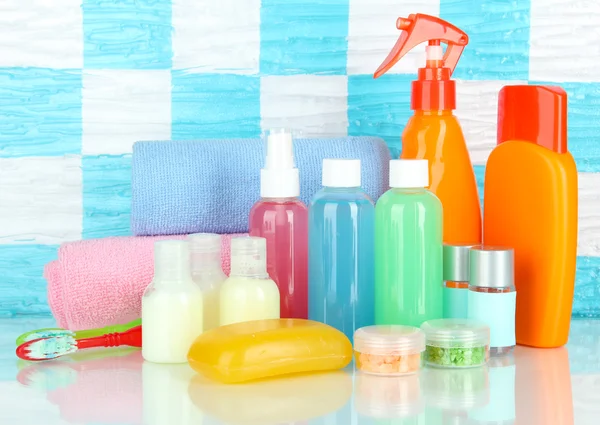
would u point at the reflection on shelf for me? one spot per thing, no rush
(500, 410)
(287, 400)
(450, 394)
(115, 386)
(543, 386)
(383, 399)
(166, 399)
(93, 386)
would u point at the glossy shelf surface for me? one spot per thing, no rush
(115, 386)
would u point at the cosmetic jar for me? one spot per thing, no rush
(456, 343)
(388, 349)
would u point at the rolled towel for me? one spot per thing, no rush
(100, 282)
(182, 187)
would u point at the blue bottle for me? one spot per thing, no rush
(341, 258)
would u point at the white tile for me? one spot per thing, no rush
(477, 111)
(588, 243)
(372, 33)
(564, 40)
(41, 33)
(121, 107)
(313, 105)
(42, 200)
(216, 36)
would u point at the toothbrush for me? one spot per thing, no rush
(59, 332)
(53, 347)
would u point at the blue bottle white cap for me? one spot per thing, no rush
(341, 173)
(409, 173)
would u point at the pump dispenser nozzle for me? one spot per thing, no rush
(279, 178)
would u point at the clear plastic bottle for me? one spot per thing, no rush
(341, 259)
(282, 219)
(171, 306)
(248, 293)
(492, 294)
(408, 248)
(207, 273)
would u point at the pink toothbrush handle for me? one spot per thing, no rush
(132, 337)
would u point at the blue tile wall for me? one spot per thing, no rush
(40, 112)
(304, 37)
(127, 34)
(212, 96)
(211, 106)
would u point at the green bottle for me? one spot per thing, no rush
(408, 248)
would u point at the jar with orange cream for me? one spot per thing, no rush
(388, 349)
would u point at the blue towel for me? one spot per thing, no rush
(183, 187)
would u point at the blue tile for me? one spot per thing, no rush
(587, 287)
(40, 112)
(127, 34)
(214, 106)
(106, 195)
(479, 176)
(583, 124)
(380, 107)
(498, 32)
(303, 37)
(23, 286)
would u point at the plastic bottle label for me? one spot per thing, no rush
(455, 303)
(497, 310)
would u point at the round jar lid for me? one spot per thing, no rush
(386, 339)
(449, 333)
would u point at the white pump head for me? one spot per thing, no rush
(280, 177)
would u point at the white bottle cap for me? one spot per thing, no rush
(205, 242)
(409, 173)
(280, 177)
(205, 249)
(341, 173)
(172, 261)
(249, 257)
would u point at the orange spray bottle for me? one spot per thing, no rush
(433, 132)
(530, 204)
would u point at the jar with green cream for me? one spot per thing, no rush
(456, 343)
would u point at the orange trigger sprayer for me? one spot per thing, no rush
(433, 132)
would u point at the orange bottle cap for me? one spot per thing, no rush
(537, 114)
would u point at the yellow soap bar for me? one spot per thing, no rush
(263, 348)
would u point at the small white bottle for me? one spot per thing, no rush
(207, 273)
(248, 293)
(171, 305)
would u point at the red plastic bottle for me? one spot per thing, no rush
(282, 219)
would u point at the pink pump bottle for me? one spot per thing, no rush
(282, 219)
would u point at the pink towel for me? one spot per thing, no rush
(100, 282)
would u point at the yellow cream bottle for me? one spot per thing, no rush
(248, 293)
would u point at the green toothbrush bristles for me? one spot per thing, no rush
(51, 348)
(43, 333)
